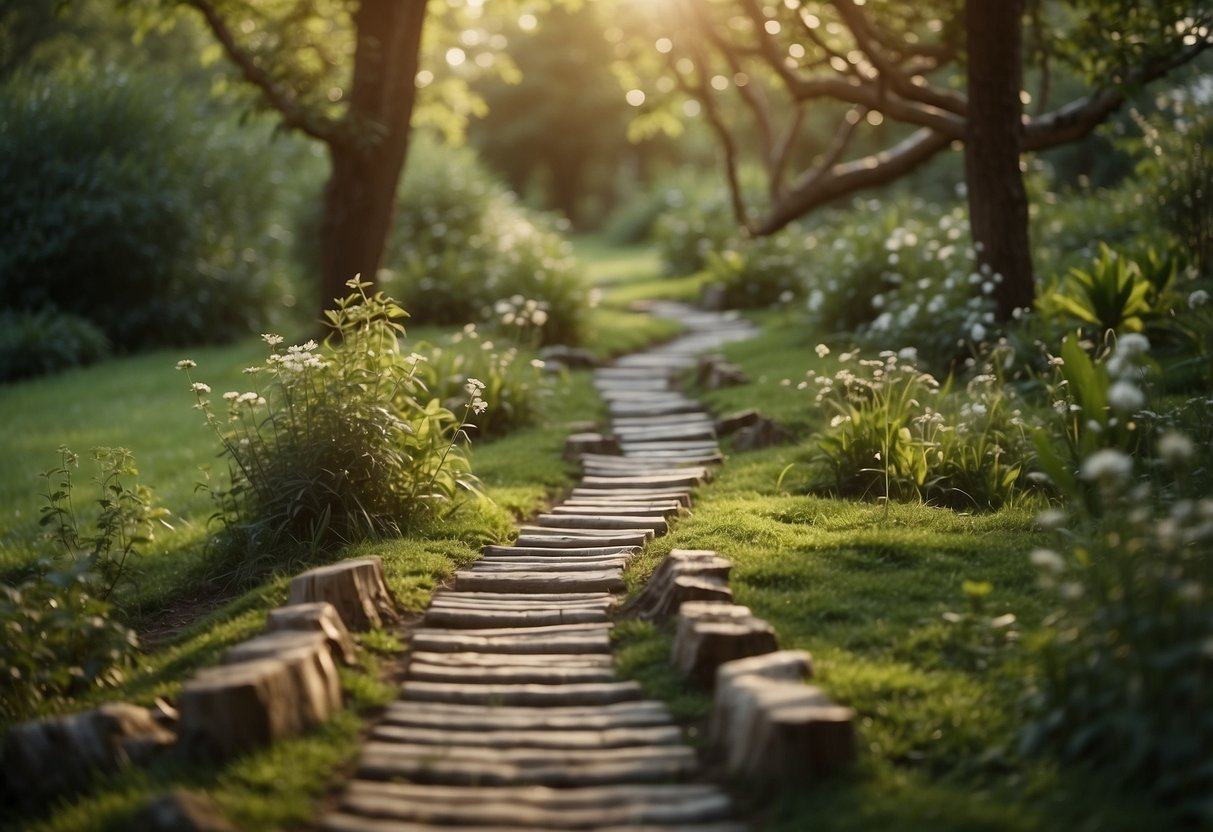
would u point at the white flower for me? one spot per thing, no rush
(230, 396)
(1108, 465)
(908, 354)
(479, 406)
(1051, 519)
(1175, 448)
(473, 386)
(822, 350)
(248, 371)
(838, 420)
(415, 358)
(199, 387)
(1048, 560)
(539, 317)
(1125, 397)
(1198, 298)
(977, 332)
(186, 364)
(271, 339)
(1131, 344)
(538, 363)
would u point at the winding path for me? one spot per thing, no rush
(511, 716)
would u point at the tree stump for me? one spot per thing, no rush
(311, 665)
(782, 665)
(684, 575)
(710, 633)
(355, 587)
(235, 708)
(58, 755)
(320, 617)
(590, 443)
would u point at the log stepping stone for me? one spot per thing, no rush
(510, 715)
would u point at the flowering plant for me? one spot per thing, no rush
(337, 442)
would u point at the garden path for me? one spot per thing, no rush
(511, 716)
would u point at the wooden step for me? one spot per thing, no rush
(489, 661)
(569, 739)
(473, 619)
(581, 522)
(446, 598)
(560, 538)
(560, 551)
(474, 718)
(556, 638)
(511, 674)
(682, 495)
(537, 807)
(608, 510)
(641, 481)
(348, 822)
(528, 695)
(510, 766)
(540, 582)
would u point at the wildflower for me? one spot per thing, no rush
(1108, 465)
(1198, 298)
(538, 363)
(838, 420)
(1132, 344)
(908, 354)
(473, 386)
(230, 396)
(272, 340)
(1051, 519)
(1175, 448)
(539, 317)
(415, 358)
(199, 387)
(977, 332)
(249, 371)
(1125, 397)
(186, 364)
(479, 406)
(1047, 560)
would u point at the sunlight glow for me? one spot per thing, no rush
(455, 56)
(664, 45)
(635, 97)
(527, 22)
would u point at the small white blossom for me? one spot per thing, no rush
(1047, 560)
(539, 317)
(1125, 397)
(1107, 465)
(186, 364)
(1131, 344)
(1052, 519)
(1175, 448)
(473, 386)
(538, 363)
(230, 396)
(199, 387)
(479, 406)
(822, 350)
(271, 339)
(1198, 298)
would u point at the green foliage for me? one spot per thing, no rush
(897, 434)
(758, 273)
(1125, 669)
(461, 243)
(124, 205)
(697, 222)
(513, 391)
(60, 638)
(1177, 171)
(1112, 294)
(340, 443)
(33, 343)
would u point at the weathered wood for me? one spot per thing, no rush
(786, 666)
(664, 804)
(617, 510)
(508, 766)
(580, 522)
(448, 599)
(231, 709)
(58, 755)
(711, 633)
(495, 660)
(684, 575)
(562, 638)
(552, 537)
(505, 564)
(540, 582)
(470, 618)
(560, 551)
(310, 663)
(346, 822)
(579, 444)
(784, 731)
(569, 739)
(472, 718)
(529, 695)
(565, 809)
(644, 482)
(321, 617)
(355, 587)
(512, 674)
(681, 495)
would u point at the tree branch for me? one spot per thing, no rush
(294, 115)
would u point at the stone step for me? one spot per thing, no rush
(663, 420)
(641, 408)
(537, 807)
(476, 718)
(522, 766)
(523, 694)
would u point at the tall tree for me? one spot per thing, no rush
(904, 65)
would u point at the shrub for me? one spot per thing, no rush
(339, 443)
(126, 206)
(461, 243)
(1126, 668)
(757, 273)
(34, 343)
(696, 224)
(896, 433)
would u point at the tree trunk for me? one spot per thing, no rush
(998, 201)
(368, 154)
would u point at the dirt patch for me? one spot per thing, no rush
(158, 629)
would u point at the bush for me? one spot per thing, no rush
(34, 343)
(461, 243)
(126, 206)
(758, 273)
(339, 443)
(896, 433)
(697, 223)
